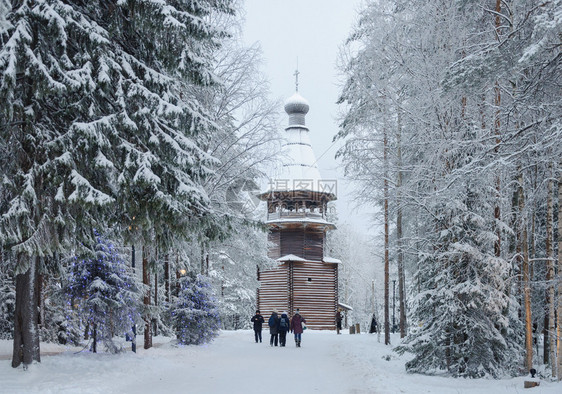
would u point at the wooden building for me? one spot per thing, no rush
(297, 202)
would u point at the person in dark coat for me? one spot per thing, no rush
(297, 327)
(258, 321)
(338, 320)
(284, 326)
(374, 325)
(273, 324)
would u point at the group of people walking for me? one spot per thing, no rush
(279, 326)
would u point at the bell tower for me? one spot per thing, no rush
(297, 206)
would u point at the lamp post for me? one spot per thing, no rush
(393, 304)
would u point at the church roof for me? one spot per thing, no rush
(332, 260)
(296, 104)
(301, 219)
(299, 169)
(290, 257)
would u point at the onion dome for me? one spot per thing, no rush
(296, 107)
(299, 170)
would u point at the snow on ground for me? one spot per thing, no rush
(326, 363)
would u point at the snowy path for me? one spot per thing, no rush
(233, 364)
(246, 367)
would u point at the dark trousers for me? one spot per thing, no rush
(282, 338)
(257, 335)
(274, 339)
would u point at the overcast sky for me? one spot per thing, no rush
(312, 31)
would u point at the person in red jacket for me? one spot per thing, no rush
(297, 327)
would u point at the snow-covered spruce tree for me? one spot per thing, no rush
(195, 314)
(448, 141)
(524, 70)
(103, 291)
(97, 109)
(46, 72)
(168, 50)
(462, 306)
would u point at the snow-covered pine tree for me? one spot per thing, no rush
(464, 328)
(97, 109)
(525, 68)
(104, 293)
(167, 53)
(46, 67)
(448, 141)
(195, 314)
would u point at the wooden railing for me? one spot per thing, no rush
(294, 215)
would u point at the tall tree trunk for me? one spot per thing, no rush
(559, 307)
(497, 124)
(147, 318)
(386, 245)
(134, 328)
(41, 281)
(550, 329)
(155, 321)
(94, 337)
(526, 279)
(167, 277)
(26, 332)
(400, 256)
(178, 276)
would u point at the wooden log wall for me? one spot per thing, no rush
(310, 286)
(315, 293)
(313, 243)
(273, 291)
(305, 242)
(292, 241)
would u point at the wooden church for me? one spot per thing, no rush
(297, 204)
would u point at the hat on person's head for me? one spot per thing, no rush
(275, 311)
(258, 311)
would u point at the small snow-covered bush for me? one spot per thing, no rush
(105, 294)
(195, 314)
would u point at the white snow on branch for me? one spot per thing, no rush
(84, 191)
